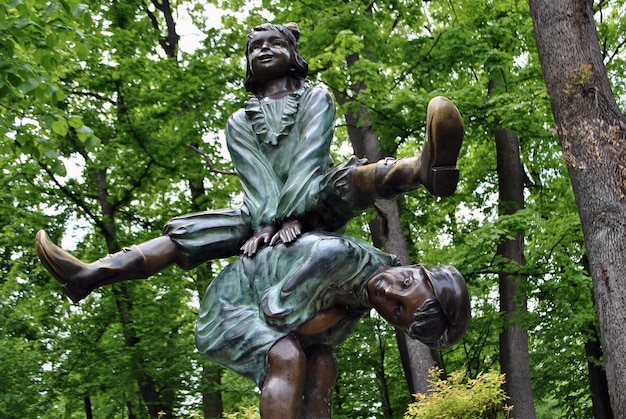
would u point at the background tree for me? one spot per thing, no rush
(592, 130)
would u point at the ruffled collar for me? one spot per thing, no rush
(273, 120)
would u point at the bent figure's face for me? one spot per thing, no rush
(269, 56)
(397, 292)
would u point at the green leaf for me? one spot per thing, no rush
(59, 168)
(29, 85)
(84, 132)
(92, 142)
(52, 40)
(59, 126)
(80, 9)
(52, 154)
(76, 122)
(81, 51)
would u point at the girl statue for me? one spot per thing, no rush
(280, 147)
(276, 314)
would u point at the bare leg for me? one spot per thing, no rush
(321, 375)
(281, 395)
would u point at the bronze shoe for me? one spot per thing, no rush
(62, 265)
(444, 137)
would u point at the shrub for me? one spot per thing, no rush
(460, 397)
(246, 413)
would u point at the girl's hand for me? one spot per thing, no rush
(289, 232)
(260, 238)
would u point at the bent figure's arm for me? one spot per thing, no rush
(322, 321)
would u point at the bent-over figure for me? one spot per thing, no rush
(276, 318)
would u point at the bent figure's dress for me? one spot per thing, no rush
(281, 152)
(254, 302)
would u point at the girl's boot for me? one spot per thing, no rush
(79, 278)
(435, 168)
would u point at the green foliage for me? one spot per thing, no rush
(91, 104)
(611, 24)
(41, 42)
(238, 394)
(251, 412)
(459, 397)
(371, 381)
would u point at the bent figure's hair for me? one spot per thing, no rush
(442, 320)
(299, 67)
(430, 324)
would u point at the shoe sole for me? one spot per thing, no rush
(447, 132)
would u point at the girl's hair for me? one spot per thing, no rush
(429, 324)
(299, 67)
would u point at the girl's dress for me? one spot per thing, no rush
(281, 151)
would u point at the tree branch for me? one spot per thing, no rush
(209, 162)
(73, 197)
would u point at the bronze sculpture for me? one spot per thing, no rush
(278, 323)
(280, 147)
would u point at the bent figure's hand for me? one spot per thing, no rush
(258, 239)
(289, 232)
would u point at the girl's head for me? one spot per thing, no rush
(290, 32)
(430, 303)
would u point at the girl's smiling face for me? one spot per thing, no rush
(397, 292)
(269, 56)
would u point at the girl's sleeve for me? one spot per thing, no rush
(312, 158)
(260, 184)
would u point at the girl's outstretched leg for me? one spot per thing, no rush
(187, 241)
(444, 136)
(79, 278)
(435, 168)
(281, 395)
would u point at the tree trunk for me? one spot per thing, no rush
(417, 358)
(88, 409)
(123, 302)
(212, 406)
(600, 399)
(514, 359)
(131, 410)
(154, 400)
(147, 387)
(597, 377)
(592, 130)
(382, 376)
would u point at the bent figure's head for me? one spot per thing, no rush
(290, 34)
(430, 303)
